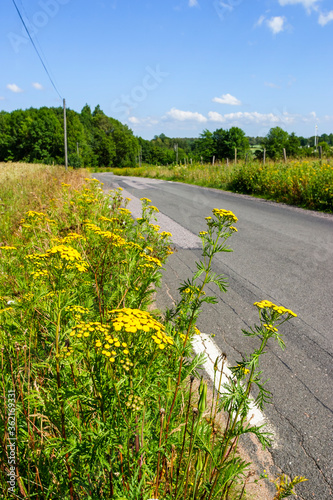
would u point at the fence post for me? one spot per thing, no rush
(264, 156)
(235, 156)
(284, 155)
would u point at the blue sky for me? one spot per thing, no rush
(175, 66)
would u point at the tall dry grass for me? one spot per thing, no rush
(25, 186)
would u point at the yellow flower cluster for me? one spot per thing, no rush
(153, 209)
(78, 311)
(88, 197)
(233, 228)
(203, 233)
(131, 244)
(37, 216)
(147, 200)
(6, 310)
(267, 304)
(134, 320)
(107, 348)
(271, 328)
(65, 352)
(105, 219)
(125, 211)
(39, 274)
(165, 234)
(244, 370)
(156, 227)
(84, 329)
(117, 240)
(72, 237)
(225, 214)
(149, 258)
(8, 248)
(66, 253)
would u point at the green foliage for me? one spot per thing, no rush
(99, 394)
(308, 184)
(226, 141)
(37, 135)
(276, 140)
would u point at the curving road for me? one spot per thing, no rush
(283, 254)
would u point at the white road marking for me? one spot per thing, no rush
(204, 344)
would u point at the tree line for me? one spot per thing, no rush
(96, 140)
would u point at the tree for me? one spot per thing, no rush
(293, 145)
(226, 141)
(205, 146)
(276, 140)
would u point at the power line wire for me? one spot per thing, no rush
(34, 45)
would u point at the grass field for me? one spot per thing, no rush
(307, 184)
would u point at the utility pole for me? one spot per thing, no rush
(65, 136)
(316, 133)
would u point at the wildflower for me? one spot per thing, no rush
(203, 233)
(133, 320)
(224, 214)
(8, 248)
(147, 200)
(267, 304)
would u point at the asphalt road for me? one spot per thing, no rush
(283, 254)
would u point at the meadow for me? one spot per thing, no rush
(306, 184)
(101, 395)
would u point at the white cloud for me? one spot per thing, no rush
(246, 117)
(14, 88)
(307, 4)
(213, 116)
(193, 3)
(227, 99)
(325, 18)
(134, 120)
(38, 86)
(182, 116)
(148, 121)
(272, 85)
(276, 24)
(260, 21)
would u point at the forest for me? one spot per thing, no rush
(96, 140)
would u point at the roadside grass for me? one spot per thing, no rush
(307, 184)
(98, 393)
(25, 186)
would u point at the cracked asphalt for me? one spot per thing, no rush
(283, 254)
